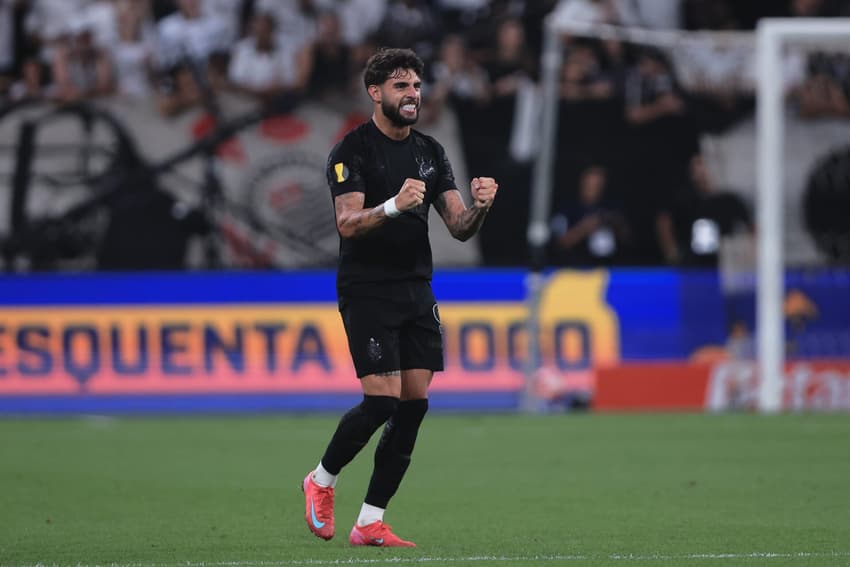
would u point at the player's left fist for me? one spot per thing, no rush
(483, 192)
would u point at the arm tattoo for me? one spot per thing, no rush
(352, 219)
(462, 222)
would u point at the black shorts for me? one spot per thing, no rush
(392, 327)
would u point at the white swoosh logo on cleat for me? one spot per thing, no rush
(377, 541)
(316, 523)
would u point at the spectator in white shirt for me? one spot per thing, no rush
(359, 19)
(263, 67)
(48, 21)
(665, 15)
(103, 21)
(189, 33)
(229, 13)
(45, 24)
(583, 11)
(191, 48)
(81, 69)
(296, 20)
(133, 52)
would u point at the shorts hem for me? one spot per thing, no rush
(360, 376)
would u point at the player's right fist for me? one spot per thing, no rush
(411, 195)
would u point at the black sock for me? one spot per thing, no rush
(392, 457)
(355, 428)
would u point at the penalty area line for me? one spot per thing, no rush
(464, 559)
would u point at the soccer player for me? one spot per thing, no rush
(383, 177)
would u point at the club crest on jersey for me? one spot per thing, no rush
(374, 350)
(341, 172)
(426, 168)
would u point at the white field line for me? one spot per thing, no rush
(464, 559)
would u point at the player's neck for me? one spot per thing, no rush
(389, 129)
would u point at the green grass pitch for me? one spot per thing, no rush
(483, 490)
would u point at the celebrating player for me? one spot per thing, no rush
(384, 176)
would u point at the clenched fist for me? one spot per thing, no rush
(483, 192)
(411, 195)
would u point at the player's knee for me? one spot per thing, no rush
(406, 422)
(410, 413)
(379, 408)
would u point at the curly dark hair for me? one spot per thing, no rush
(382, 64)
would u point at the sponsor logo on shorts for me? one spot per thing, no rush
(374, 349)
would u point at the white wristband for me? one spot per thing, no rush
(390, 209)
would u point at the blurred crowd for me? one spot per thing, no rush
(631, 185)
(69, 50)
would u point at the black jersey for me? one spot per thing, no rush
(371, 163)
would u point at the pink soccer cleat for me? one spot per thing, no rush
(377, 534)
(319, 512)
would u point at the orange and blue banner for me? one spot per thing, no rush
(142, 341)
(274, 341)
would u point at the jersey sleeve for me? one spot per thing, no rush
(345, 168)
(446, 178)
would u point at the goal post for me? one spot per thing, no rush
(773, 36)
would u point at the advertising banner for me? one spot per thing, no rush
(269, 340)
(274, 340)
(823, 385)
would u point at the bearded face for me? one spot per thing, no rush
(403, 113)
(400, 98)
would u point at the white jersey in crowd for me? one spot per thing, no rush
(255, 69)
(294, 28)
(130, 60)
(358, 19)
(50, 19)
(230, 14)
(196, 38)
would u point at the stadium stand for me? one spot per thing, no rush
(625, 109)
